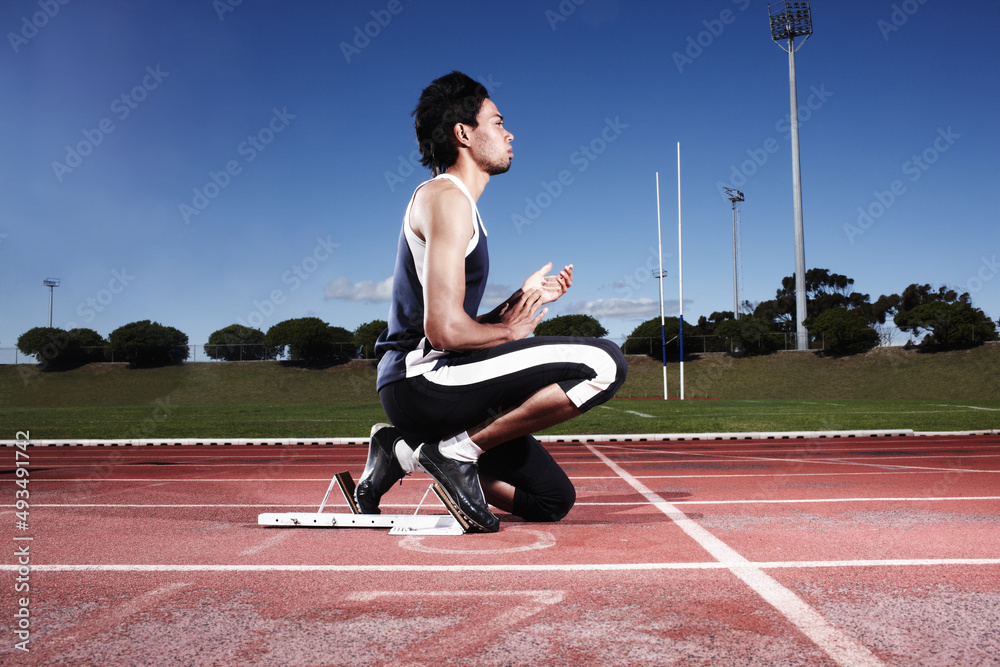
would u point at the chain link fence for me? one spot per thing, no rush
(199, 353)
(705, 344)
(633, 345)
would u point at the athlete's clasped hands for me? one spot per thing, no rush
(538, 289)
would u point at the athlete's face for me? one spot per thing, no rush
(490, 141)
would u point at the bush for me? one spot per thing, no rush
(750, 336)
(90, 345)
(56, 349)
(648, 337)
(366, 335)
(311, 340)
(147, 344)
(949, 326)
(578, 326)
(238, 343)
(844, 331)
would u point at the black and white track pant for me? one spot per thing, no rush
(472, 389)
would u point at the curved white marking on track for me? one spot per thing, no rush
(543, 540)
(266, 544)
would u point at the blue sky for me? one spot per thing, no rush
(202, 163)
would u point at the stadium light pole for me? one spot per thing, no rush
(51, 283)
(791, 19)
(735, 196)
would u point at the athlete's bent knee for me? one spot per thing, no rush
(621, 366)
(611, 371)
(547, 508)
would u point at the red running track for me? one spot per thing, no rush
(862, 551)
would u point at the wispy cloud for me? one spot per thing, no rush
(494, 296)
(625, 309)
(367, 290)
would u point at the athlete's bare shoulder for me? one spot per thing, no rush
(439, 203)
(439, 187)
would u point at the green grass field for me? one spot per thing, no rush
(165, 420)
(887, 389)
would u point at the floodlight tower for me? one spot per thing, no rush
(788, 21)
(736, 196)
(51, 283)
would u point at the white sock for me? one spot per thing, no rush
(407, 457)
(460, 448)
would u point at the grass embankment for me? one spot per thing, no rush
(890, 388)
(884, 373)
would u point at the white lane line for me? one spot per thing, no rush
(70, 459)
(683, 457)
(884, 466)
(744, 457)
(631, 412)
(254, 480)
(565, 567)
(842, 649)
(35, 479)
(915, 499)
(969, 407)
(190, 505)
(892, 562)
(738, 457)
(754, 501)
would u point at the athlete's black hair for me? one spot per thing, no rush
(452, 98)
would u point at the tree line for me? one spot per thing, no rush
(309, 340)
(843, 320)
(846, 321)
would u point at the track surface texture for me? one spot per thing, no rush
(850, 551)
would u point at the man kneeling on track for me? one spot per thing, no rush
(465, 392)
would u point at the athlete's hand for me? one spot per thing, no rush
(551, 287)
(522, 316)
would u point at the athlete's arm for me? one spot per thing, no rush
(440, 215)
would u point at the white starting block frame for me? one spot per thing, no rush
(398, 524)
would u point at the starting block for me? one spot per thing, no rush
(398, 524)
